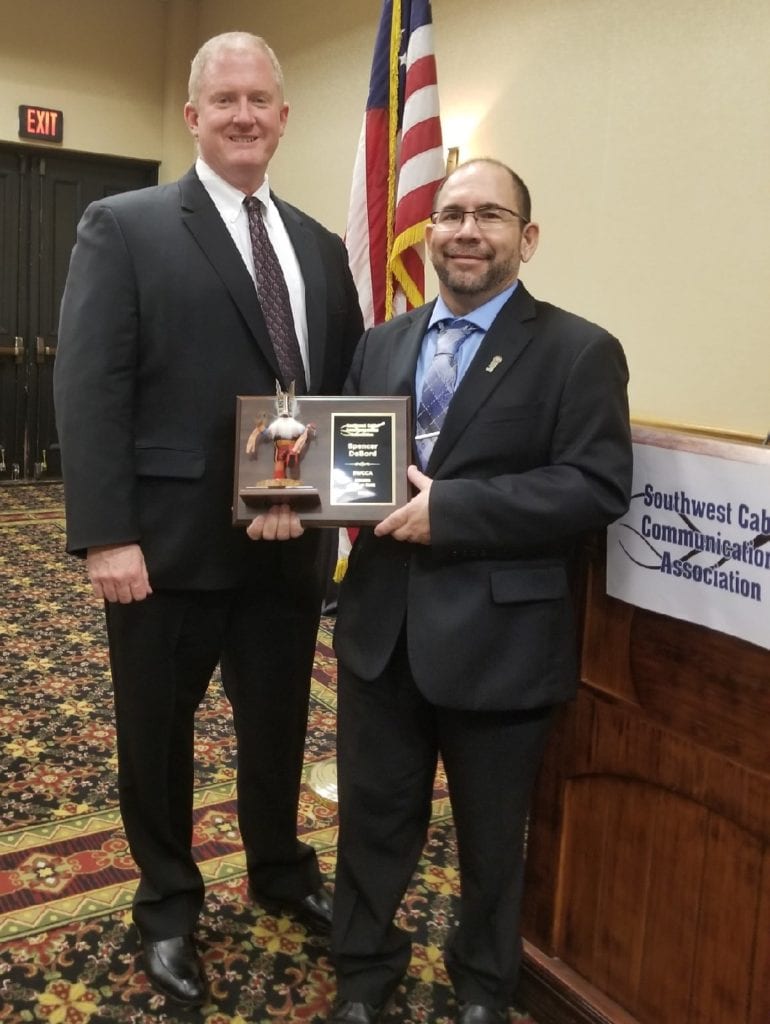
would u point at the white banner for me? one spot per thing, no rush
(695, 543)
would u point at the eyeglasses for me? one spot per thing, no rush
(486, 217)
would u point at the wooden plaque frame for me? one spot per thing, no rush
(352, 471)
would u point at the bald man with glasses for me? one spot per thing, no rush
(455, 632)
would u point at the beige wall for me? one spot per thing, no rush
(101, 63)
(643, 130)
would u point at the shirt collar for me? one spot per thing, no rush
(481, 317)
(228, 198)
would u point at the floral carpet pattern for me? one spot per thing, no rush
(68, 949)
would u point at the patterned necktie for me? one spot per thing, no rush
(438, 386)
(274, 299)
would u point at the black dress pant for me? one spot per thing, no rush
(163, 652)
(389, 738)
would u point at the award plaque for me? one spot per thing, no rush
(338, 461)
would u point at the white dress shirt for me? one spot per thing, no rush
(229, 203)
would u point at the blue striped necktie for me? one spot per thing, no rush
(439, 385)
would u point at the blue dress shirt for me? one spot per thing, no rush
(481, 318)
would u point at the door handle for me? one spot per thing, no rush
(41, 468)
(17, 350)
(42, 350)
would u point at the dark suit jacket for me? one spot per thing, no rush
(535, 451)
(160, 330)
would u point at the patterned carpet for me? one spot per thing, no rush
(68, 950)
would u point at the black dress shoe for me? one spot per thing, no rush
(173, 967)
(474, 1013)
(345, 1011)
(314, 910)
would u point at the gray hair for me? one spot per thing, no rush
(220, 44)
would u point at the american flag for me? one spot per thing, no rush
(399, 164)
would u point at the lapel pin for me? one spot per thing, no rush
(494, 363)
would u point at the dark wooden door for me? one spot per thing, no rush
(42, 197)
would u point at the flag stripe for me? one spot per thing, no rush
(419, 75)
(411, 209)
(423, 138)
(377, 206)
(422, 104)
(420, 43)
(420, 169)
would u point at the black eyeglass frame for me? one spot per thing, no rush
(462, 214)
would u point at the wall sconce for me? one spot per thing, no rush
(452, 158)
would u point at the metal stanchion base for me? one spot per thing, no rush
(322, 779)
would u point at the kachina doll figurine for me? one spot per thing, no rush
(289, 437)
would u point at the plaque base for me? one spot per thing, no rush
(289, 492)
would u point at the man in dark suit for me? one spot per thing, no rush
(165, 319)
(454, 630)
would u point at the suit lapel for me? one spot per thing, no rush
(202, 219)
(405, 350)
(511, 332)
(308, 255)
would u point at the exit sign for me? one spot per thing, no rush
(41, 123)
